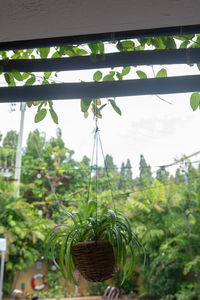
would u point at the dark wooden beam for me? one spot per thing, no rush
(88, 90)
(95, 38)
(111, 60)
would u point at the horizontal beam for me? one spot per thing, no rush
(88, 90)
(111, 60)
(95, 38)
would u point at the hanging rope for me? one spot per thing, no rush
(105, 166)
(96, 189)
(97, 142)
(91, 164)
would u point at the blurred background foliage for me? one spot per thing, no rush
(164, 209)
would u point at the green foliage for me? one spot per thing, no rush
(145, 172)
(141, 74)
(129, 285)
(56, 287)
(115, 107)
(109, 225)
(97, 76)
(161, 73)
(163, 276)
(23, 231)
(188, 291)
(164, 42)
(163, 211)
(126, 71)
(10, 140)
(195, 100)
(41, 114)
(97, 288)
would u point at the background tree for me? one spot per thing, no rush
(10, 140)
(162, 175)
(129, 174)
(145, 172)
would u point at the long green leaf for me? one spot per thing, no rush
(61, 257)
(132, 261)
(124, 253)
(113, 217)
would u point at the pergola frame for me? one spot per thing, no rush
(83, 90)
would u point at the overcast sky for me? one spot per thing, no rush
(148, 125)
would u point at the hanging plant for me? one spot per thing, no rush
(95, 244)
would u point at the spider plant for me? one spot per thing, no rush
(109, 225)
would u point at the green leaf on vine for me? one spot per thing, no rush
(115, 107)
(161, 73)
(101, 47)
(127, 44)
(85, 104)
(97, 76)
(17, 75)
(126, 70)
(141, 74)
(7, 78)
(41, 114)
(195, 100)
(54, 115)
(29, 104)
(94, 48)
(86, 114)
(44, 52)
(47, 75)
(80, 52)
(31, 80)
(108, 77)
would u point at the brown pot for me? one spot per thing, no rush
(94, 260)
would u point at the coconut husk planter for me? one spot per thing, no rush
(94, 260)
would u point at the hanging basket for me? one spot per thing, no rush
(94, 260)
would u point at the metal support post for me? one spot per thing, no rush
(3, 251)
(19, 150)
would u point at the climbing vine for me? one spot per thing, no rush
(15, 77)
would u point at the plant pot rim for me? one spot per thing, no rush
(92, 242)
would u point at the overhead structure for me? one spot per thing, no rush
(39, 20)
(37, 24)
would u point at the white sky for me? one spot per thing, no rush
(148, 126)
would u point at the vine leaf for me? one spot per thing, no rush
(54, 115)
(41, 114)
(85, 104)
(44, 52)
(31, 80)
(141, 74)
(195, 100)
(101, 47)
(126, 70)
(7, 78)
(108, 77)
(97, 76)
(115, 107)
(17, 75)
(161, 73)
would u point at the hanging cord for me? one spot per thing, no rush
(111, 191)
(96, 139)
(96, 187)
(91, 164)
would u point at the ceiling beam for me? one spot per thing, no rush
(95, 38)
(89, 90)
(111, 60)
